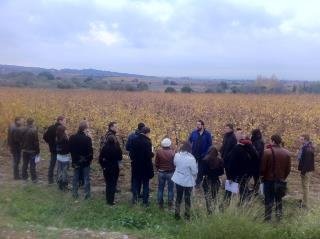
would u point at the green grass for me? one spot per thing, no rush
(39, 207)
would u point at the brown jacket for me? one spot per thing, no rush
(282, 166)
(164, 159)
(30, 141)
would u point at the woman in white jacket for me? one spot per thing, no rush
(184, 177)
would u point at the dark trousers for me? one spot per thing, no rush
(52, 164)
(269, 198)
(86, 178)
(200, 174)
(186, 193)
(211, 189)
(29, 159)
(136, 184)
(16, 158)
(244, 189)
(111, 179)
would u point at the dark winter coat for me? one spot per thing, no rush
(81, 150)
(15, 134)
(213, 166)
(30, 142)
(306, 163)
(109, 158)
(62, 146)
(104, 138)
(258, 144)
(131, 138)
(142, 155)
(242, 161)
(205, 144)
(229, 141)
(50, 137)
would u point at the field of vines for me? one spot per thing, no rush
(166, 114)
(172, 115)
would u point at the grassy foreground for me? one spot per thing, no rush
(39, 208)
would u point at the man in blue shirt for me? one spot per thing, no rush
(201, 141)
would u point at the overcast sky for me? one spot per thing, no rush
(224, 39)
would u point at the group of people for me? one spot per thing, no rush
(196, 162)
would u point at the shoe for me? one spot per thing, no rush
(161, 206)
(170, 205)
(111, 203)
(118, 191)
(177, 216)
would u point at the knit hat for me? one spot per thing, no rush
(166, 143)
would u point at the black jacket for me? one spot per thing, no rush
(229, 141)
(109, 158)
(62, 146)
(259, 147)
(30, 141)
(50, 137)
(103, 139)
(142, 166)
(306, 163)
(81, 150)
(15, 134)
(242, 161)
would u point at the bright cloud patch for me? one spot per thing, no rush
(99, 33)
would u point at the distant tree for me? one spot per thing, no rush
(142, 86)
(46, 74)
(166, 82)
(129, 87)
(170, 90)
(222, 86)
(209, 90)
(173, 83)
(88, 79)
(235, 89)
(186, 89)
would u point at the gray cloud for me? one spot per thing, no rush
(197, 38)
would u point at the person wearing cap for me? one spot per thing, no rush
(50, 138)
(165, 167)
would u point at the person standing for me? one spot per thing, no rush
(229, 141)
(242, 161)
(211, 182)
(275, 168)
(258, 144)
(306, 167)
(15, 142)
(30, 149)
(109, 159)
(82, 154)
(142, 167)
(50, 138)
(131, 138)
(201, 141)
(63, 158)
(112, 131)
(165, 168)
(185, 178)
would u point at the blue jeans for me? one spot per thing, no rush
(164, 177)
(86, 179)
(62, 178)
(136, 184)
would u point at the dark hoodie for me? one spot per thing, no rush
(242, 160)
